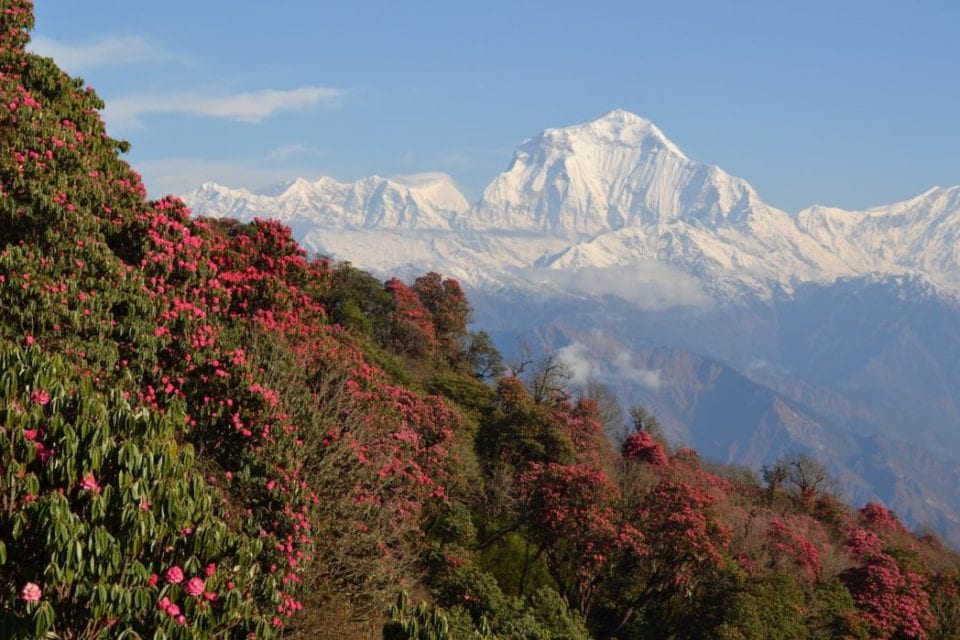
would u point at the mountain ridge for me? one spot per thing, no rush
(611, 192)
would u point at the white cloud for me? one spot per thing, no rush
(112, 51)
(588, 363)
(246, 106)
(648, 286)
(624, 369)
(576, 356)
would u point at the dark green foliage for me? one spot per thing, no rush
(477, 399)
(541, 615)
(554, 618)
(944, 591)
(419, 623)
(521, 431)
(833, 614)
(482, 357)
(517, 563)
(358, 301)
(765, 608)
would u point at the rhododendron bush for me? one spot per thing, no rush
(101, 499)
(144, 440)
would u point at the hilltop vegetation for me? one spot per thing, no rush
(206, 434)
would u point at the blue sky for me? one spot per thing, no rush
(844, 103)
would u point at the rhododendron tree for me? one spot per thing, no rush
(132, 297)
(449, 310)
(685, 546)
(411, 330)
(575, 516)
(643, 447)
(91, 556)
(881, 518)
(892, 598)
(790, 546)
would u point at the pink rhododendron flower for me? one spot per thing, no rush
(154, 578)
(42, 452)
(195, 587)
(40, 397)
(210, 570)
(173, 610)
(163, 604)
(31, 592)
(174, 575)
(89, 483)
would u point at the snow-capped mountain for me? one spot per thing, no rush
(611, 193)
(614, 172)
(423, 201)
(920, 234)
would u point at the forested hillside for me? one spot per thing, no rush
(204, 433)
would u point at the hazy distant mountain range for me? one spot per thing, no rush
(749, 330)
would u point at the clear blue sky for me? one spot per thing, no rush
(846, 103)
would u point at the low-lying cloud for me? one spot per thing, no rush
(649, 286)
(586, 364)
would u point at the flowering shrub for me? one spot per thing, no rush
(135, 297)
(576, 517)
(881, 518)
(448, 308)
(892, 599)
(87, 552)
(641, 446)
(790, 545)
(411, 328)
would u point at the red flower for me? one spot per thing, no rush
(89, 483)
(31, 592)
(174, 575)
(195, 587)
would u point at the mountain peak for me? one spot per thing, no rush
(616, 171)
(623, 127)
